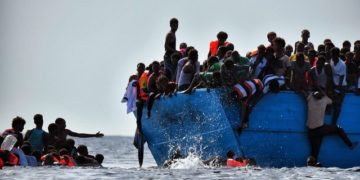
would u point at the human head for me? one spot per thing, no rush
(279, 44)
(321, 48)
(335, 53)
(99, 158)
(221, 52)
(162, 83)
(230, 47)
(155, 65)
(212, 60)
(175, 57)
(18, 124)
(271, 36)
(229, 63)
(193, 55)
(305, 35)
(188, 49)
(289, 50)
(174, 23)
(261, 50)
(349, 56)
(300, 47)
(183, 45)
(61, 123)
(82, 150)
(70, 143)
(140, 68)
(327, 41)
(26, 148)
(320, 63)
(52, 128)
(312, 54)
(228, 54)
(230, 154)
(38, 120)
(347, 44)
(222, 37)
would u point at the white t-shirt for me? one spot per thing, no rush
(338, 70)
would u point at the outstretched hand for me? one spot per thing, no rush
(98, 134)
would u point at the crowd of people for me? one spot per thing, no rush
(327, 69)
(39, 147)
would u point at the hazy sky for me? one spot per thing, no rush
(72, 58)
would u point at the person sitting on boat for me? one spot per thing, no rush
(52, 137)
(299, 71)
(317, 129)
(191, 67)
(164, 86)
(17, 127)
(62, 133)
(232, 163)
(221, 41)
(37, 136)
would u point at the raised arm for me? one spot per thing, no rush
(83, 135)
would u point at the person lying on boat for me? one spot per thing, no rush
(248, 91)
(62, 132)
(317, 129)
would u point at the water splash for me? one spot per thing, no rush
(192, 161)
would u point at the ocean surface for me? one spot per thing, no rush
(121, 163)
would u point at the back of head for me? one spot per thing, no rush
(99, 158)
(193, 55)
(38, 120)
(230, 154)
(188, 49)
(212, 60)
(70, 142)
(183, 45)
(280, 42)
(18, 123)
(174, 21)
(222, 36)
(335, 52)
(60, 121)
(230, 46)
(26, 148)
(52, 128)
(82, 150)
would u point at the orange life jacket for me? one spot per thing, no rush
(231, 163)
(12, 159)
(1, 163)
(143, 85)
(214, 46)
(67, 161)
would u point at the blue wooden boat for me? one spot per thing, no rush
(205, 123)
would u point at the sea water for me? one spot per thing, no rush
(121, 163)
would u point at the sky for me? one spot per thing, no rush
(72, 58)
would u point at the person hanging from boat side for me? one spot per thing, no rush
(317, 129)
